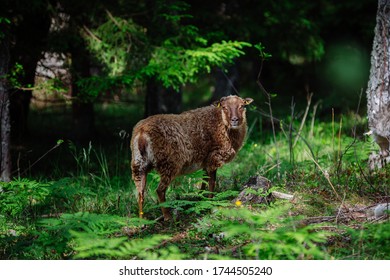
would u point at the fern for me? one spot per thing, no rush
(95, 239)
(201, 202)
(272, 234)
(175, 66)
(56, 234)
(221, 199)
(89, 222)
(21, 196)
(371, 242)
(175, 59)
(95, 236)
(119, 43)
(92, 245)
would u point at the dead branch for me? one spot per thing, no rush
(91, 34)
(281, 195)
(311, 133)
(309, 97)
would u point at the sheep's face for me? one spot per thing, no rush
(233, 110)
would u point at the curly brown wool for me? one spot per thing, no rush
(173, 145)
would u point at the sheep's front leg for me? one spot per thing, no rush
(212, 178)
(161, 190)
(219, 157)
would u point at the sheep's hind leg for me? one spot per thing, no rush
(140, 184)
(139, 176)
(161, 190)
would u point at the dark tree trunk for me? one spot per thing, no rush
(160, 100)
(5, 123)
(30, 39)
(378, 89)
(19, 110)
(83, 112)
(226, 82)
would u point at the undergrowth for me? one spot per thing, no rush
(89, 211)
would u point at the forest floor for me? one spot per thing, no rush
(78, 201)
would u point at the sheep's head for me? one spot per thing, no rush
(233, 110)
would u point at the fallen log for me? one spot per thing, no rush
(378, 211)
(281, 195)
(377, 161)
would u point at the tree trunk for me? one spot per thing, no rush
(30, 36)
(19, 109)
(83, 112)
(378, 89)
(5, 124)
(160, 100)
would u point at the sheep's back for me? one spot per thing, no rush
(180, 142)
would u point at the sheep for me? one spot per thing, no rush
(178, 144)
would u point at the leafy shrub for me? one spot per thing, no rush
(370, 242)
(56, 234)
(71, 194)
(22, 197)
(92, 245)
(270, 234)
(96, 236)
(199, 203)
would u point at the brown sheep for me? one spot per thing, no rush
(173, 145)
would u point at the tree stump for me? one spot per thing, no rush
(255, 191)
(377, 161)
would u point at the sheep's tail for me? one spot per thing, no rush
(142, 146)
(142, 152)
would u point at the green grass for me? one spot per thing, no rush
(79, 201)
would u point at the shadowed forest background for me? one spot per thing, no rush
(81, 74)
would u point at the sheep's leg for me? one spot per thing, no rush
(139, 173)
(161, 190)
(219, 157)
(140, 183)
(212, 178)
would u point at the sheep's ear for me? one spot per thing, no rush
(248, 101)
(217, 104)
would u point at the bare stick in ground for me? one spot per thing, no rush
(326, 175)
(311, 133)
(309, 97)
(268, 96)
